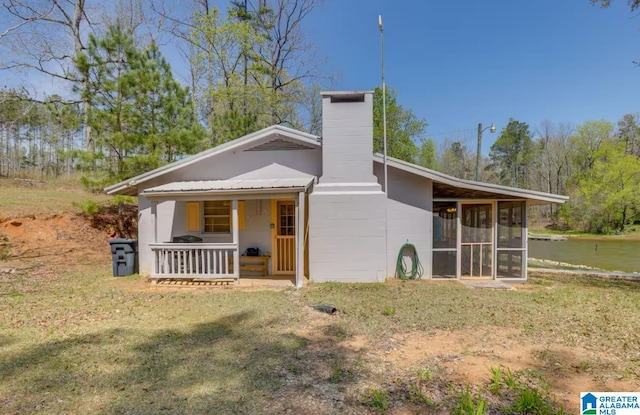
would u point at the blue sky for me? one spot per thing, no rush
(458, 63)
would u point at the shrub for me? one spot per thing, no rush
(89, 207)
(377, 399)
(467, 405)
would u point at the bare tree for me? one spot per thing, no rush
(14, 26)
(44, 37)
(286, 56)
(190, 26)
(49, 34)
(633, 4)
(553, 165)
(248, 67)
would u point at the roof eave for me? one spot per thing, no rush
(164, 194)
(472, 185)
(123, 190)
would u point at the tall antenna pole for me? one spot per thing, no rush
(384, 147)
(245, 18)
(384, 105)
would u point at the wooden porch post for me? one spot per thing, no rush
(494, 240)
(300, 239)
(154, 211)
(236, 240)
(525, 241)
(458, 240)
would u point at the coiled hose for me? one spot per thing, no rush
(416, 267)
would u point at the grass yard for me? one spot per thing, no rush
(43, 197)
(75, 340)
(91, 343)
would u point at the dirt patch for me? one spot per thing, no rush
(467, 355)
(463, 357)
(51, 244)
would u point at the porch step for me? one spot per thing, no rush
(192, 282)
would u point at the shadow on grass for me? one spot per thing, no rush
(233, 364)
(5, 340)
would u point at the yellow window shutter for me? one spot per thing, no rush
(193, 216)
(240, 214)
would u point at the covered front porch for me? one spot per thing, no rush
(240, 231)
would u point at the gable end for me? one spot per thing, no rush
(280, 144)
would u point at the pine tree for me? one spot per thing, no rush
(140, 115)
(514, 152)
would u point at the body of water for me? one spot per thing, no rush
(605, 254)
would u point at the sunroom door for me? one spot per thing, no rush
(477, 240)
(445, 240)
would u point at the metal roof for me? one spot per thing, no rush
(229, 186)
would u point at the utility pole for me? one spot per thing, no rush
(492, 129)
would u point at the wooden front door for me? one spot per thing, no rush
(283, 260)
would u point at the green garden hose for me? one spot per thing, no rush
(401, 267)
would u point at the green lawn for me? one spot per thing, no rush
(89, 343)
(76, 342)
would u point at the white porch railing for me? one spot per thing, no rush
(194, 261)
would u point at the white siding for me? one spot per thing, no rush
(146, 234)
(409, 217)
(228, 165)
(346, 237)
(153, 227)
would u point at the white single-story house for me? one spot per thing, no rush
(317, 209)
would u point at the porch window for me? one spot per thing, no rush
(217, 216)
(511, 250)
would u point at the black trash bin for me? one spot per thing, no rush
(124, 256)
